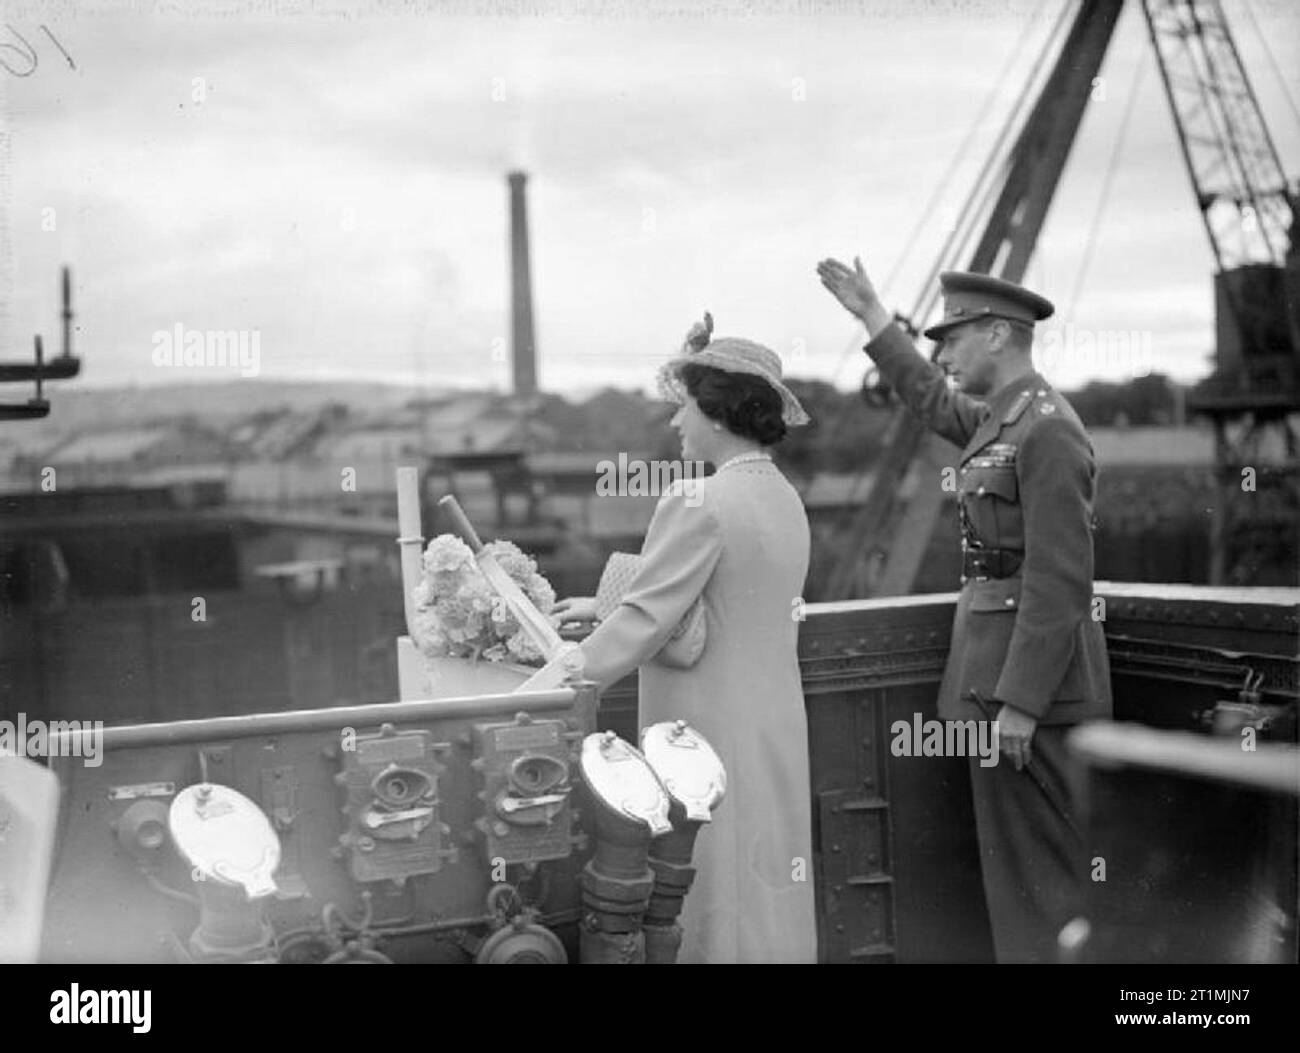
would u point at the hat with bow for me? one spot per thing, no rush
(732, 355)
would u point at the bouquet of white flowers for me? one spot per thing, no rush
(459, 614)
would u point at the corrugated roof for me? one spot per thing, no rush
(371, 443)
(112, 445)
(283, 436)
(472, 435)
(458, 412)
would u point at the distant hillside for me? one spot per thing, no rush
(845, 434)
(213, 403)
(233, 398)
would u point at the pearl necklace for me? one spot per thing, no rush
(742, 458)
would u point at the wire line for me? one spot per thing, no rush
(1103, 199)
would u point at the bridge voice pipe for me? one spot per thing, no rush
(626, 806)
(616, 885)
(231, 926)
(695, 781)
(409, 540)
(670, 859)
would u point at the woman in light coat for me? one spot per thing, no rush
(739, 542)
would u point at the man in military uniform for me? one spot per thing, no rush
(1025, 647)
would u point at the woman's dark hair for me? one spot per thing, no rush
(745, 405)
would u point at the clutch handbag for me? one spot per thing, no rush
(686, 643)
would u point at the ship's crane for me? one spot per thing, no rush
(1249, 212)
(63, 367)
(1246, 207)
(1234, 167)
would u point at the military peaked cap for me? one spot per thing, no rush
(969, 297)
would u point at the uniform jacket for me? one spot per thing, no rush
(1027, 477)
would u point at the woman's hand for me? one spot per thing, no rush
(576, 609)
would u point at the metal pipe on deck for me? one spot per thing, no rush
(410, 540)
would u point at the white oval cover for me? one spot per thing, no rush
(687, 766)
(616, 772)
(225, 837)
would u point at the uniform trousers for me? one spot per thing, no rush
(1031, 856)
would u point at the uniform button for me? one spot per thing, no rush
(980, 492)
(1011, 601)
(963, 579)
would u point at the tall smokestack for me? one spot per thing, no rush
(524, 347)
(67, 312)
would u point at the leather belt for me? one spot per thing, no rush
(981, 564)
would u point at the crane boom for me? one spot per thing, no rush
(881, 551)
(1249, 212)
(1039, 156)
(1236, 174)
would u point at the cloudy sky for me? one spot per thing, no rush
(333, 177)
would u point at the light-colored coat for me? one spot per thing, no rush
(740, 539)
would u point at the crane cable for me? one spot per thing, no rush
(980, 190)
(982, 197)
(985, 186)
(1277, 71)
(1107, 180)
(940, 190)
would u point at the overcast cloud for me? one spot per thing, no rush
(340, 186)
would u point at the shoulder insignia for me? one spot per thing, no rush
(1047, 401)
(1018, 407)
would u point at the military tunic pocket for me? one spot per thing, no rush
(992, 483)
(996, 594)
(990, 501)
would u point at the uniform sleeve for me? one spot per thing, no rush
(1056, 478)
(921, 385)
(682, 547)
